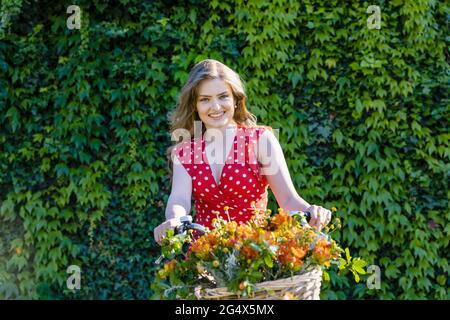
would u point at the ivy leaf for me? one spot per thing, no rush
(14, 117)
(338, 136)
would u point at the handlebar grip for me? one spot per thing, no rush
(190, 226)
(306, 213)
(308, 216)
(179, 229)
(187, 225)
(197, 227)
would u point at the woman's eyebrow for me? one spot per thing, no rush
(204, 95)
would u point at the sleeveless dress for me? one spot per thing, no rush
(240, 183)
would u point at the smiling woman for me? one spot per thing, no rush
(201, 92)
(234, 160)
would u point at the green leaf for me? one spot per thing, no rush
(347, 255)
(356, 276)
(359, 268)
(338, 136)
(13, 115)
(326, 276)
(268, 261)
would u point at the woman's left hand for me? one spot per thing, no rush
(320, 216)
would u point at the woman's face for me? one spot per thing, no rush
(215, 104)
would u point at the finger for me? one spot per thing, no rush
(311, 216)
(160, 239)
(313, 211)
(174, 223)
(323, 218)
(329, 213)
(160, 234)
(327, 217)
(323, 213)
(319, 219)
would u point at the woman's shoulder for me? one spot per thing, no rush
(184, 147)
(257, 130)
(263, 128)
(187, 143)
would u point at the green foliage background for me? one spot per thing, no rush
(363, 118)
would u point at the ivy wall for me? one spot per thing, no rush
(363, 115)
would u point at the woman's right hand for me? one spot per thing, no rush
(160, 231)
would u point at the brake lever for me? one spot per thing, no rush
(186, 224)
(303, 214)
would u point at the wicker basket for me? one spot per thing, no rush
(305, 286)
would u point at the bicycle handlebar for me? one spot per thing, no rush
(186, 222)
(190, 226)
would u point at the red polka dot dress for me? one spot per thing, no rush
(240, 183)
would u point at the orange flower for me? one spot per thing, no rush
(201, 249)
(249, 253)
(211, 238)
(291, 255)
(229, 242)
(280, 218)
(298, 252)
(246, 232)
(322, 252)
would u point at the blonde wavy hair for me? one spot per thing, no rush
(185, 113)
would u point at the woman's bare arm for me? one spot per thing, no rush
(179, 202)
(270, 155)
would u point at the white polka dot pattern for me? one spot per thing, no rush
(235, 182)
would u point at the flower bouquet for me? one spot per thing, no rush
(270, 257)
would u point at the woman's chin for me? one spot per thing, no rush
(218, 124)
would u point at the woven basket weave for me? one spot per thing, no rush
(305, 286)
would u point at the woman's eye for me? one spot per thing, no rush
(204, 99)
(224, 96)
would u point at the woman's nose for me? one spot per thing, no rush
(215, 104)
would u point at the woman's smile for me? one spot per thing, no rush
(215, 104)
(217, 115)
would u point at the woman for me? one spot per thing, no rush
(229, 162)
